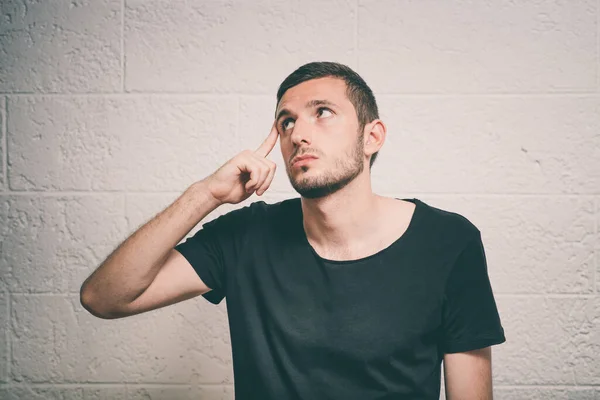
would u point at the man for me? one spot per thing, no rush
(339, 294)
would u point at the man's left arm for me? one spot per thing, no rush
(470, 326)
(468, 375)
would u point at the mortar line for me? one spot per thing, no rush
(122, 45)
(201, 95)
(50, 193)
(125, 214)
(597, 69)
(499, 294)
(4, 130)
(597, 246)
(114, 384)
(158, 385)
(400, 95)
(356, 34)
(544, 295)
(550, 386)
(9, 336)
(237, 120)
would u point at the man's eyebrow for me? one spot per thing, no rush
(311, 103)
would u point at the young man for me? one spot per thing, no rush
(338, 294)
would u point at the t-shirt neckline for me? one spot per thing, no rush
(409, 230)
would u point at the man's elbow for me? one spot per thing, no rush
(86, 298)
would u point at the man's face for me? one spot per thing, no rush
(327, 131)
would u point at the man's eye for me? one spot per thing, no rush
(326, 109)
(283, 124)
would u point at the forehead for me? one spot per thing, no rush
(332, 89)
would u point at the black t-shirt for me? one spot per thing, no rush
(303, 327)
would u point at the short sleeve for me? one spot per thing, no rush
(213, 251)
(470, 316)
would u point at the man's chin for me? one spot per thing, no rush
(312, 191)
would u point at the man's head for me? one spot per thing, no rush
(326, 110)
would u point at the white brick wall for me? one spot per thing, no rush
(110, 109)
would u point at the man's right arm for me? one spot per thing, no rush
(145, 272)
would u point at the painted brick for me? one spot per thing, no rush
(60, 46)
(52, 244)
(118, 143)
(233, 46)
(474, 47)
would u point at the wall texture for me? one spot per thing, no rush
(109, 109)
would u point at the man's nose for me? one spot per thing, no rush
(301, 131)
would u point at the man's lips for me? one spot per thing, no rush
(305, 159)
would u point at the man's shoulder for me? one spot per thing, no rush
(448, 222)
(259, 211)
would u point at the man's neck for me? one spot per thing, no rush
(339, 219)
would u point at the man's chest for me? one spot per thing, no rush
(358, 313)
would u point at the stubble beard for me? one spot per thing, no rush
(330, 181)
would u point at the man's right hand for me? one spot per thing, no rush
(247, 172)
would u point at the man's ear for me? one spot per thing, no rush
(378, 127)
